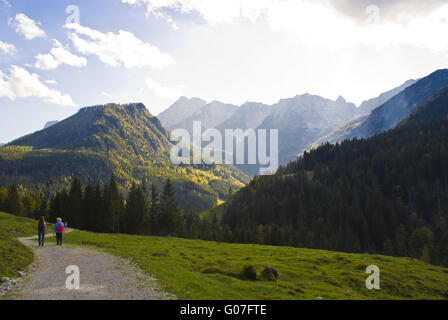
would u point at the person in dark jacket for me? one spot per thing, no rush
(41, 231)
(59, 230)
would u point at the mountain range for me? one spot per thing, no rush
(133, 145)
(303, 121)
(299, 120)
(121, 140)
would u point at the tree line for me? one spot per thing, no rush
(23, 203)
(104, 209)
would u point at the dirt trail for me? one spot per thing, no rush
(102, 276)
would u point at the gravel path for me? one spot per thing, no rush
(102, 276)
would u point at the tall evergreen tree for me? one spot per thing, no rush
(75, 204)
(154, 211)
(13, 203)
(113, 208)
(89, 209)
(136, 209)
(58, 205)
(43, 210)
(171, 222)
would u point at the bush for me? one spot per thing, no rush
(269, 274)
(250, 272)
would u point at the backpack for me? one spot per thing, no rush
(41, 227)
(60, 228)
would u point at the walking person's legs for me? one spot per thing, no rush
(38, 238)
(59, 239)
(43, 239)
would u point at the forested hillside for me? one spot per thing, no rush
(386, 194)
(125, 141)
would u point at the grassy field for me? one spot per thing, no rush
(193, 269)
(14, 256)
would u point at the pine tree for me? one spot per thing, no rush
(29, 204)
(97, 211)
(75, 204)
(13, 203)
(43, 210)
(58, 205)
(89, 211)
(136, 209)
(171, 222)
(112, 207)
(387, 247)
(154, 211)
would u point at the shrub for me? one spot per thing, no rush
(250, 272)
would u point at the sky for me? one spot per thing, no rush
(57, 56)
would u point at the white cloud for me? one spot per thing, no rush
(57, 56)
(28, 27)
(123, 48)
(51, 82)
(318, 23)
(22, 84)
(7, 48)
(214, 11)
(162, 91)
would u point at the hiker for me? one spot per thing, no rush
(59, 230)
(41, 231)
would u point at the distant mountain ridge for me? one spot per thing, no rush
(249, 115)
(306, 121)
(300, 120)
(401, 105)
(180, 110)
(367, 106)
(211, 115)
(303, 121)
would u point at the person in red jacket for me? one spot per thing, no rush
(59, 230)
